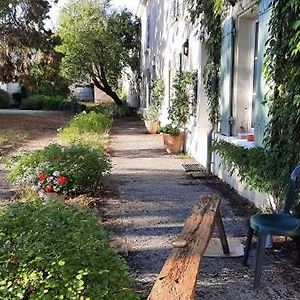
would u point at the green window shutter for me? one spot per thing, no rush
(261, 112)
(226, 75)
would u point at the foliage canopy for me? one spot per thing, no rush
(98, 43)
(24, 38)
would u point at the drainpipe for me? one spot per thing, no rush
(209, 160)
(231, 119)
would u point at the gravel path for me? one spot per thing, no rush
(155, 198)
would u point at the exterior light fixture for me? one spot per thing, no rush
(186, 48)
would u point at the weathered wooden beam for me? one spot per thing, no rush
(177, 279)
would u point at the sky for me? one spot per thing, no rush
(132, 5)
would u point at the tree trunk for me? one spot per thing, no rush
(108, 91)
(115, 97)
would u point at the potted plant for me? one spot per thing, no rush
(151, 115)
(173, 139)
(179, 112)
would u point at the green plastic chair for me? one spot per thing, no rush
(283, 224)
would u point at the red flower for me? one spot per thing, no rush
(62, 180)
(48, 189)
(42, 176)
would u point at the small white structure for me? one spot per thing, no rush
(11, 88)
(130, 88)
(83, 92)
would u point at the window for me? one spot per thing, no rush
(245, 71)
(169, 82)
(148, 32)
(254, 72)
(175, 9)
(180, 63)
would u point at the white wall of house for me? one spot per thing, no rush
(130, 88)
(163, 35)
(164, 31)
(2, 86)
(250, 34)
(10, 87)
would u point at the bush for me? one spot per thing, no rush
(33, 102)
(174, 131)
(72, 106)
(88, 129)
(84, 167)
(38, 102)
(52, 102)
(18, 97)
(157, 94)
(52, 251)
(112, 109)
(4, 99)
(53, 88)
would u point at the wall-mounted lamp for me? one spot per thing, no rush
(186, 48)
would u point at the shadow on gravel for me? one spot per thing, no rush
(156, 197)
(140, 153)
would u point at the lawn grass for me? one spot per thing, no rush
(11, 139)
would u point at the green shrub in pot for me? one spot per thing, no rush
(157, 93)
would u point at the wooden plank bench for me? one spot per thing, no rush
(177, 279)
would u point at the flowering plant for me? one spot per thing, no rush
(82, 167)
(55, 183)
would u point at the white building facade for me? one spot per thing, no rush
(170, 44)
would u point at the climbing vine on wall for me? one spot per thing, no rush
(181, 107)
(282, 136)
(209, 15)
(268, 168)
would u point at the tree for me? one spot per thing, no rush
(24, 39)
(98, 43)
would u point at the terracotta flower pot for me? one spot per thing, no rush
(250, 137)
(173, 144)
(151, 126)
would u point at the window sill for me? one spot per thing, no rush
(236, 141)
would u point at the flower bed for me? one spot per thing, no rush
(70, 170)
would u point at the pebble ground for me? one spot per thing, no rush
(155, 198)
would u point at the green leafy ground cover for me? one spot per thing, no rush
(53, 251)
(111, 109)
(90, 129)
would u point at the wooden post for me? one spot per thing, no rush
(222, 233)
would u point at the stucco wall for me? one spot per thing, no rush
(166, 40)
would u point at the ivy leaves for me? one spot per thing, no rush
(181, 106)
(209, 14)
(282, 137)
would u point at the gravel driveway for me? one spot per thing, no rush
(155, 198)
